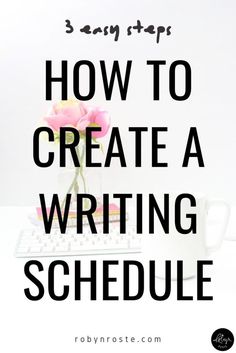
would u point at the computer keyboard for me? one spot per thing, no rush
(35, 243)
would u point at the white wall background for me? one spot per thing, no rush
(203, 33)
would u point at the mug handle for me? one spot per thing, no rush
(225, 205)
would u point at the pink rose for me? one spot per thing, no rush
(68, 113)
(77, 114)
(99, 118)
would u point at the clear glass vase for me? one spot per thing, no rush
(73, 180)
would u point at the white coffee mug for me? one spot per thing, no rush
(188, 248)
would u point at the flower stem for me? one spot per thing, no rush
(81, 169)
(72, 185)
(78, 170)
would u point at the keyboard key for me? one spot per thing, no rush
(35, 249)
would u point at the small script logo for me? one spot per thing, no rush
(222, 339)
